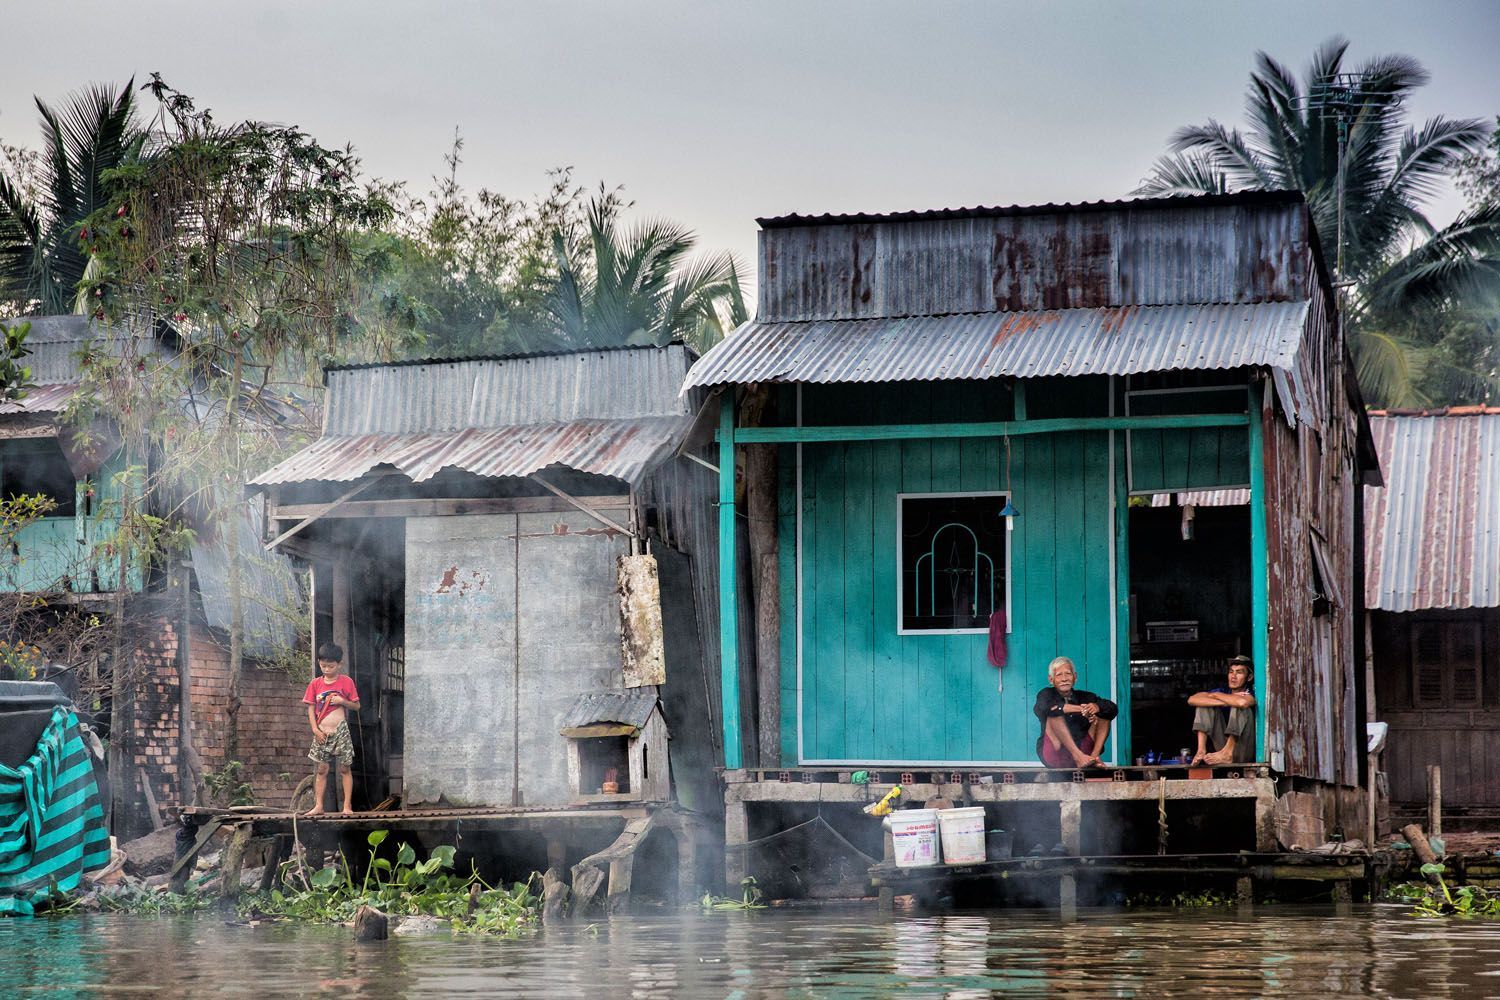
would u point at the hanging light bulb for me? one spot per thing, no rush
(1009, 511)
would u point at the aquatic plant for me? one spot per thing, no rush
(749, 901)
(1437, 900)
(401, 887)
(1181, 900)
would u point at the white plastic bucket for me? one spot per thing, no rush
(914, 833)
(963, 835)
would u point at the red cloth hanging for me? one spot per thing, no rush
(996, 648)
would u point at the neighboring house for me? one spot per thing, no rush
(69, 558)
(1433, 586)
(466, 523)
(973, 411)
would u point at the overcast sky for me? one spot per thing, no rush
(715, 113)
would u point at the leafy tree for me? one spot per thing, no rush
(638, 286)
(237, 244)
(1396, 260)
(43, 201)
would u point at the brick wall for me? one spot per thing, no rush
(272, 721)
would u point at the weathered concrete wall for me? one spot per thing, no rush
(508, 619)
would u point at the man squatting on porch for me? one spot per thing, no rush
(329, 699)
(1224, 718)
(1075, 723)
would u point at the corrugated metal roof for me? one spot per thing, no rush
(615, 413)
(501, 392)
(629, 708)
(56, 344)
(50, 398)
(1202, 498)
(621, 449)
(1104, 341)
(992, 211)
(1433, 540)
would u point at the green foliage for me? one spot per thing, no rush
(750, 900)
(1182, 900)
(1402, 268)
(1441, 901)
(229, 786)
(15, 378)
(403, 886)
(44, 200)
(144, 902)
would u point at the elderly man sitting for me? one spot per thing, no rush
(1224, 718)
(1075, 723)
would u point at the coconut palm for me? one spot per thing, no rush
(1386, 248)
(638, 286)
(41, 259)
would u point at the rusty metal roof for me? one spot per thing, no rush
(628, 708)
(50, 398)
(615, 413)
(1433, 536)
(1100, 341)
(620, 449)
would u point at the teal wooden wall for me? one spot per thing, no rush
(871, 695)
(52, 548)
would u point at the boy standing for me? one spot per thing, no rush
(329, 699)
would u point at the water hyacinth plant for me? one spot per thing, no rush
(401, 887)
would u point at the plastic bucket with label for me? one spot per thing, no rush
(914, 834)
(962, 834)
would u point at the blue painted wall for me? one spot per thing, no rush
(869, 694)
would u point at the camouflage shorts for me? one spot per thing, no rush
(338, 746)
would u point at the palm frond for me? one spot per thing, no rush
(1182, 174)
(1387, 368)
(1227, 150)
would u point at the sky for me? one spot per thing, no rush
(712, 114)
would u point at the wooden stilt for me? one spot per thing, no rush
(736, 855)
(234, 862)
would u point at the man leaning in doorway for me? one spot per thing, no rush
(1224, 718)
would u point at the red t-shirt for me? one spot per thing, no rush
(319, 692)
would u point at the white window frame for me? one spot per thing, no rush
(900, 562)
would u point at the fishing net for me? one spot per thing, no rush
(791, 862)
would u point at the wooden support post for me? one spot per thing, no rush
(1343, 892)
(281, 849)
(1067, 897)
(1244, 890)
(341, 610)
(1421, 848)
(233, 862)
(620, 871)
(557, 853)
(182, 868)
(688, 837)
(729, 614)
(736, 854)
(1265, 823)
(1434, 800)
(1071, 821)
(554, 896)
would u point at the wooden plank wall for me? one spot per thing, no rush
(870, 694)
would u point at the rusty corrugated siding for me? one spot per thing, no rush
(41, 399)
(1434, 529)
(620, 449)
(1154, 252)
(1106, 341)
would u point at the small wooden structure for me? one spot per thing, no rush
(1123, 432)
(621, 734)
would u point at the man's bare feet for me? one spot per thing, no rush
(1084, 760)
(1219, 757)
(1197, 759)
(314, 812)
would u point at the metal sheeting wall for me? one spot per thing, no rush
(1070, 258)
(508, 619)
(1434, 535)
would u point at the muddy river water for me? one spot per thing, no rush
(1379, 951)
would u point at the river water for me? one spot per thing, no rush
(1364, 951)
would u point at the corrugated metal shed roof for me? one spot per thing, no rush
(502, 392)
(615, 413)
(1433, 540)
(993, 211)
(628, 708)
(50, 398)
(1103, 341)
(621, 449)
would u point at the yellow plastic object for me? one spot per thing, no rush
(885, 805)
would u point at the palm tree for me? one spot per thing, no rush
(638, 287)
(1386, 248)
(41, 259)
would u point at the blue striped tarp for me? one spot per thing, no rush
(51, 822)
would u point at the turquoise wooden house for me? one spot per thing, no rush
(1130, 428)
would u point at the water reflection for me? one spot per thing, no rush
(1270, 951)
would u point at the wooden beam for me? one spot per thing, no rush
(577, 502)
(445, 507)
(1260, 641)
(729, 617)
(1053, 425)
(323, 509)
